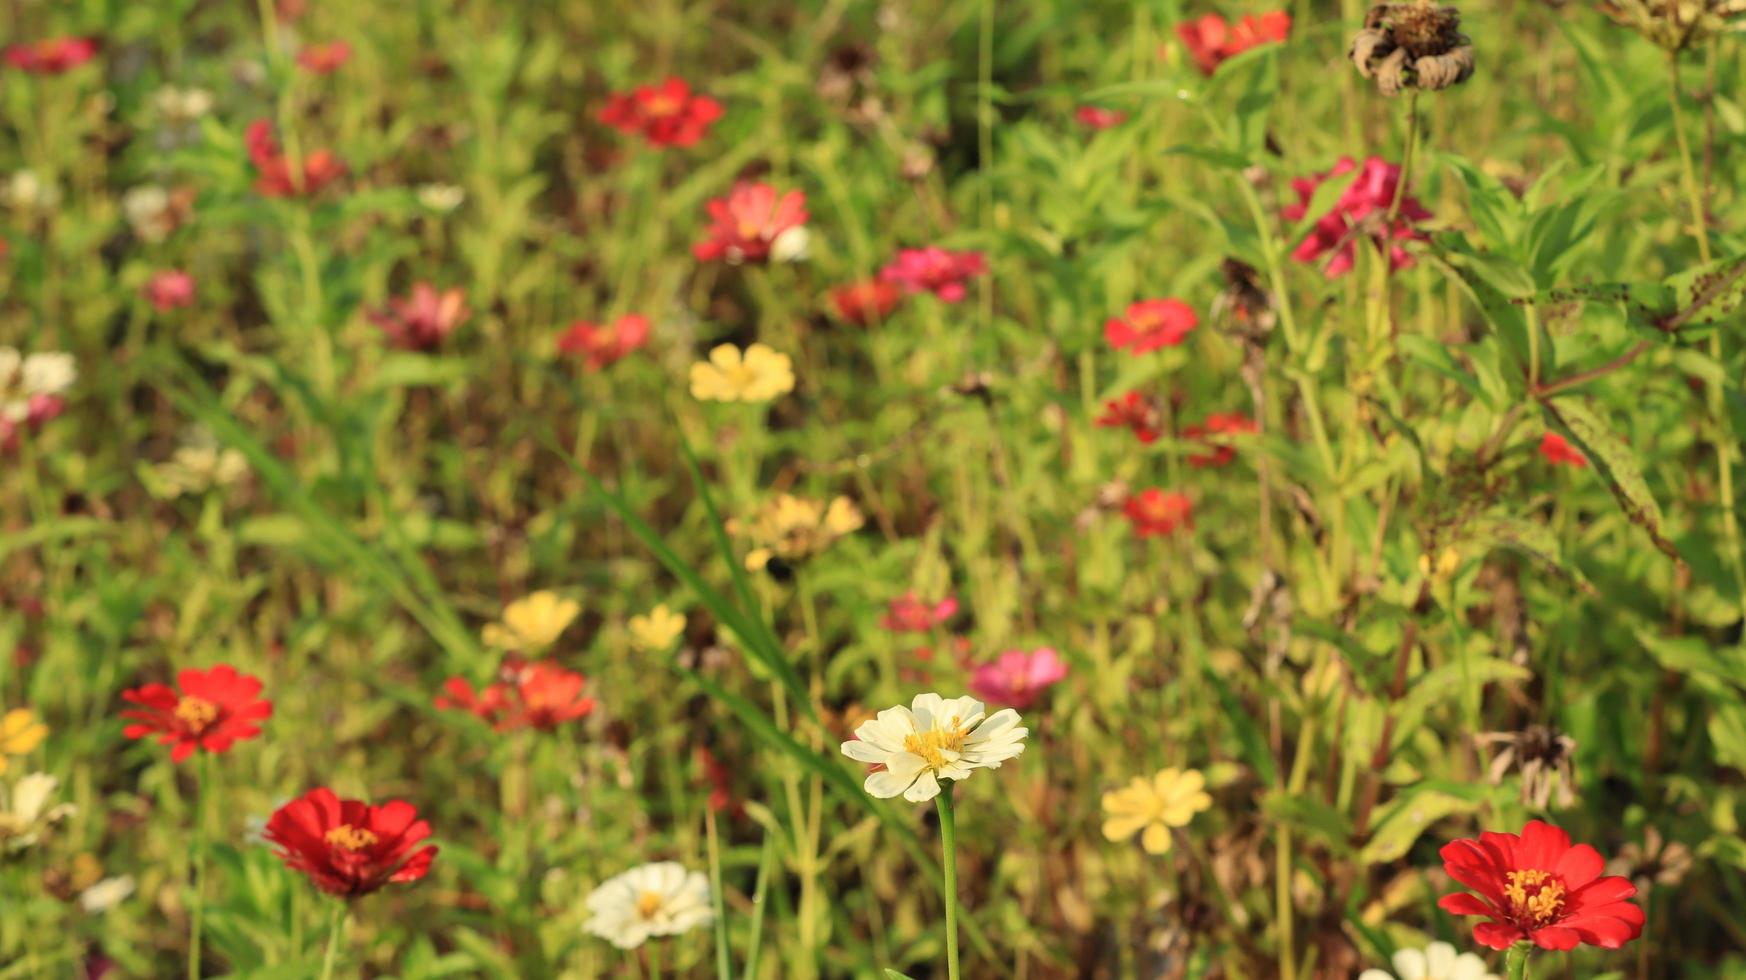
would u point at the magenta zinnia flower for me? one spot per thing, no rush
(1018, 677)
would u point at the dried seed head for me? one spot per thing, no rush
(1412, 45)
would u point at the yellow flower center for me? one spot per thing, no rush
(1534, 895)
(649, 904)
(351, 838)
(196, 713)
(932, 744)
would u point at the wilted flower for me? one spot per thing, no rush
(910, 614)
(200, 466)
(749, 224)
(106, 894)
(180, 106)
(168, 290)
(1097, 117)
(757, 375)
(1559, 452)
(934, 270)
(1019, 677)
(208, 710)
(1156, 512)
(1217, 432)
(792, 528)
(600, 346)
(655, 631)
(325, 58)
(349, 848)
(1544, 756)
(913, 748)
(536, 695)
(441, 198)
(1152, 807)
(532, 623)
(153, 212)
(659, 899)
(1675, 25)
(52, 56)
(1412, 45)
(1133, 411)
(1656, 862)
(1360, 212)
(1538, 887)
(276, 179)
(422, 320)
(20, 733)
(1151, 325)
(866, 302)
(1438, 961)
(719, 778)
(25, 811)
(668, 114)
(1211, 40)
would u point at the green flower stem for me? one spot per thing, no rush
(1516, 961)
(724, 965)
(200, 847)
(949, 858)
(336, 928)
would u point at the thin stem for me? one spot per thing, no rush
(1406, 167)
(949, 858)
(1694, 194)
(1516, 961)
(724, 965)
(198, 916)
(336, 927)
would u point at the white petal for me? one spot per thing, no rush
(1411, 964)
(864, 751)
(926, 788)
(884, 785)
(1375, 975)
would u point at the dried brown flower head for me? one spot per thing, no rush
(1412, 45)
(1544, 756)
(1655, 862)
(1674, 25)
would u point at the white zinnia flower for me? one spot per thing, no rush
(660, 899)
(106, 894)
(931, 740)
(25, 813)
(23, 378)
(793, 245)
(441, 198)
(1437, 961)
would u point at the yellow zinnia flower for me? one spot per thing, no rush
(20, 732)
(1169, 799)
(793, 527)
(757, 375)
(655, 632)
(532, 624)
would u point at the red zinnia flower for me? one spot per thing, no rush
(422, 320)
(52, 56)
(213, 709)
(1131, 411)
(668, 114)
(1156, 512)
(324, 59)
(537, 695)
(1359, 211)
(1559, 451)
(168, 290)
(1220, 427)
(748, 222)
(719, 778)
(865, 302)
(320, 167)
(909, 614)
(1097, 117)
(602, 346)
(1150, 325)
(349, 848)
(1540, 888)
(934, 270)
(1210, 40)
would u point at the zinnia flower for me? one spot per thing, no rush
(934, 270)
(532, 623)
(106, 894)
(20, 733)
(25, 813)
(754, 224)
(660, 899)
(536, 695)
(1359, 212)
(600, 346)
(656, 631)
(324, 59)
(52, 56)
(212, 710)
(909, 614)
(792, 528)
(31, 388)
(1132, 411)
(1151, 807)
(1156, 512)
(320, 167)
(1096, 117)
(1150, 325)
(422, 320)
(1539, 887)
(1559, 452)
(866, 302)
(668, 114)
(349, 848)
(1438, 961)
(934, 738)
(1211, 40)
(169, 290)
(1019, 677)
(1216, 432)
(757, 375)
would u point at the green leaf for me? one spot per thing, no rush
(1616, 463)
(1248, 733)
(1404, 821)
(1530, 538)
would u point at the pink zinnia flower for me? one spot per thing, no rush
(324, 59)
(1559, 452)
(1018, 677)
(1150, 325)
(1131, 411)
(746, 224)
(1359, 212)
(1211, 40)
(909, 614)
(1097, 117)
(601, 346)
(168, 290)
(934, 270)
(1216, 432)
(422, 320)
(668, 114)
(866, 302)
(52, 56)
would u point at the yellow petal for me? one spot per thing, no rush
(1156, 839)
